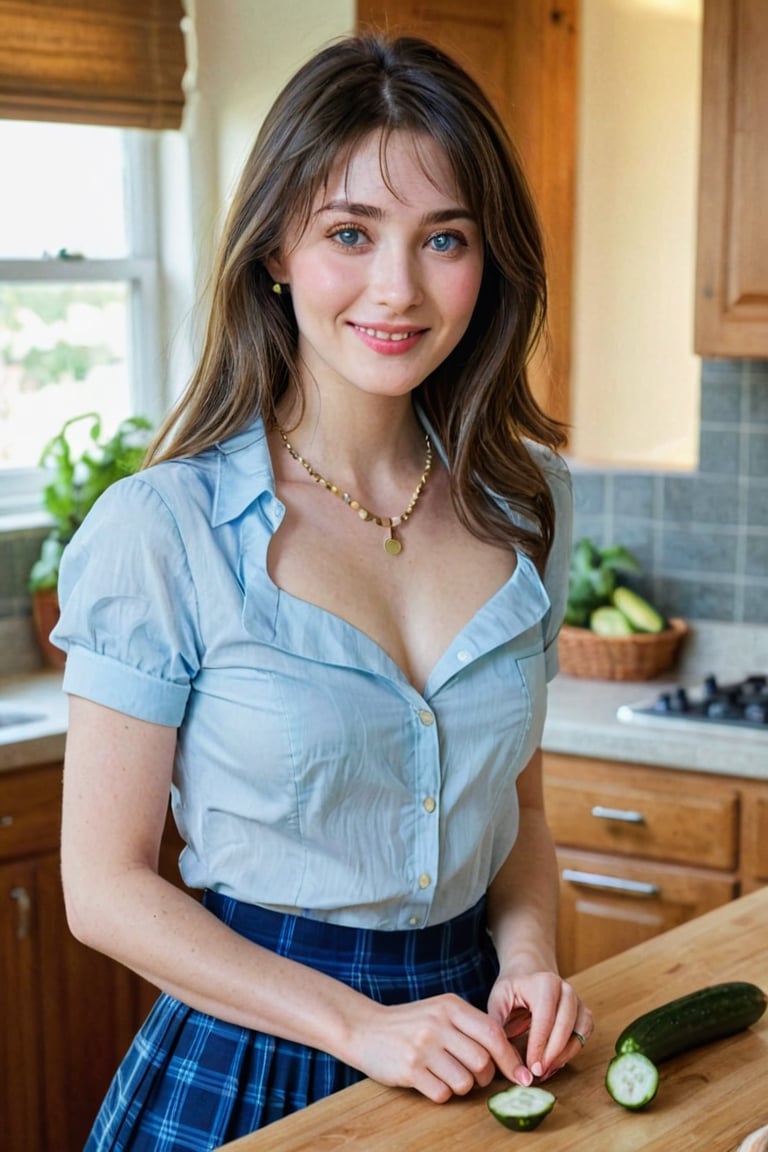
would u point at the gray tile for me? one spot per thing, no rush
(725, 371)
(757, 505)
(633, 494)
(721, 392)
(589, 492)
(720, 451)
(687, 550)
(698, 599)
(678, 498)
(757, 394)
(756, 558)
(18, 552)
(697, 499)
(755, 597)
(594, 527)
(757, 454)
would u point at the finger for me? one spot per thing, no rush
(552, 1021)
(550, 1033)
(502, 1053)
(473, 1057)
(457, 1077)
(558, 1051)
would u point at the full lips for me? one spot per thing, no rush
(386, 345)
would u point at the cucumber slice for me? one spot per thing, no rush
(521, 1109)
(632, 1080)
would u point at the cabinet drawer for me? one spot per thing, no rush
(619, 817)
(610, 903)
(30, 811)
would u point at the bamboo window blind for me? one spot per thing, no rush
(118, 62)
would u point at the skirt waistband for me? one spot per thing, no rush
(288, 934)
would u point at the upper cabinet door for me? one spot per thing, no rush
(524, 55)
(732, 253)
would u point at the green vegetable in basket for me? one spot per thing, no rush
(597, 596)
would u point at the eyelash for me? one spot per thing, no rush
(338, 231)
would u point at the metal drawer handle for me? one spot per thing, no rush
(6, 821)
(21, 896)
(610, 883)
(627, 816)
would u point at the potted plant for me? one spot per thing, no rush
(76, 481)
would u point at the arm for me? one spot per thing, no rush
(529, 995)
(116, 784)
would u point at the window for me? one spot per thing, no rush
(79, 287)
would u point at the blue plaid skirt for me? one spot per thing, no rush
(191, 1082)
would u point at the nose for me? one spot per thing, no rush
(396, 278)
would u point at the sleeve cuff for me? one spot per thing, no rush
(124, 689)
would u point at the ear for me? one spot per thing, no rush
(275, 265)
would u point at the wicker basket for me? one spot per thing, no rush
(637, 657)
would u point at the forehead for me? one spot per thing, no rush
(406, 164)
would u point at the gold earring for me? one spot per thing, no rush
(277, 289)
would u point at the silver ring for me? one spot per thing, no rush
(581, 1039)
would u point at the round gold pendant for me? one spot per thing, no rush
(392, 546)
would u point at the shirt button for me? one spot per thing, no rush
(426, 717)
(414, 920)
(463, 655)
(424, 880)
(429, 804)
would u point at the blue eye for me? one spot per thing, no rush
(444, 241)
(349, 237)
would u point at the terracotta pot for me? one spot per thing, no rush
(45, 613)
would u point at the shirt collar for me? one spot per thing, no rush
(244, 472)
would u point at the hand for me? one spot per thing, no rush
(441, 1046)
(547, 1008)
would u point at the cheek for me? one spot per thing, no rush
(462, 293)
(318, 285)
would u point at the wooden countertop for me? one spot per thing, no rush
(709, 1098)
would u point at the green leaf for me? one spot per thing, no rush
(619, 559)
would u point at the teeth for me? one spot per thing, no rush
(384, 335)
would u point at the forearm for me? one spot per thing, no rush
(171, 940)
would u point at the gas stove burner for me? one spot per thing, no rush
(744, 702)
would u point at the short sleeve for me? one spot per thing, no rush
(128, 607)
(556, 573)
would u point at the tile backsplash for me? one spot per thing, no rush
(701, 537)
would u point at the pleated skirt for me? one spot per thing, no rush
(191, 1082)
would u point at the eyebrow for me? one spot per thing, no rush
(442, 216)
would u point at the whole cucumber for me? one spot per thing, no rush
(699, 1018)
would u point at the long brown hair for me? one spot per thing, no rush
(478, 401)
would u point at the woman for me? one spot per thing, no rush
(344, 702)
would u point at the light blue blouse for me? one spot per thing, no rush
(310, 775)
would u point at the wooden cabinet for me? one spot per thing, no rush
(643, 849)
(524, 55)
(67, 1013)
(732, 250)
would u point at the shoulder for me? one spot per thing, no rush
(207, 486)
(557, 475)
(551, 463)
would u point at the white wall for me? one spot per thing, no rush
(635, 379)
(246, 50)
(240, 53)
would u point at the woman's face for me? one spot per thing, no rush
(383, 283)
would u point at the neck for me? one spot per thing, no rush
(358, 440)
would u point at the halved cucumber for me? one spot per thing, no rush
(521, 1109)
(632, 1080)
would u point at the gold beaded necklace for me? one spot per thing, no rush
(392, 546)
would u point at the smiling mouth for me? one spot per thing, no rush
(378, 334)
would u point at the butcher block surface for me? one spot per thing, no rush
(709, 1098)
